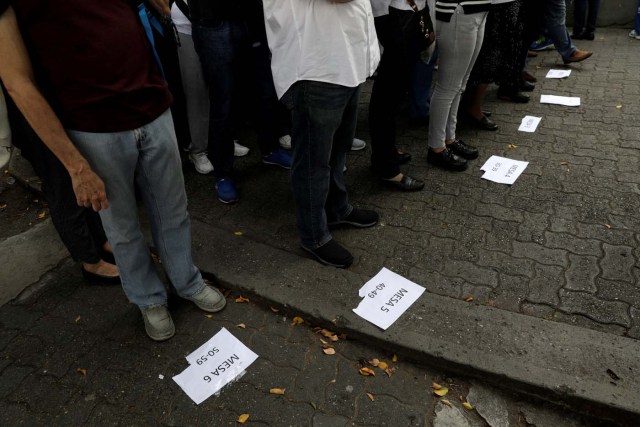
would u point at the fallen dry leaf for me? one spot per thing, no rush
(329, 351)
(468, 298)
(241, 299)
(607, 225)
(564, 163)
(394, 359)
(208, 316)
(446, 402)
(238, 233)
(243, 418)
(41, 215)
(327, 333)
(512, 146)
(78, 318)
(374, 362)
(367, 372)
(371, 397)
(383, 365)
(277, 390)
(436, 386)
(297, 321)
(275, 310)
(618, 106)
(467, 405)
(441, 392)
(389, 371)
(313, 405)
(241, 325)
(82, 371)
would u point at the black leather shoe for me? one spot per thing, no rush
(486, 113)
(485, 123)
(447, 159)
(99, 279)
(527, 86)
(407, 183)
(516, 97)
(403, 158)
(361, 218)
(331, 253)
(463, 150)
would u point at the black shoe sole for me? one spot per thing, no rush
(325, 262)
(99, 279)
(351, 223)
(449, 167)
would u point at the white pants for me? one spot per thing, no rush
(5, 133)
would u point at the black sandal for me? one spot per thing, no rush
(407, 183)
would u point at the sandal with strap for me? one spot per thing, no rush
(407, 183)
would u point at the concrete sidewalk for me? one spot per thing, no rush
(552, 262)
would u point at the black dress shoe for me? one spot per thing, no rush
(463, 150)
(360, 218)
(577, 36)
(485, 123)
(407, 183)
(516, 97)
(588, 36)
(527, 86)
(486, 113)
(331, 253)
(90, 277)
(404, 158)
(447, 159)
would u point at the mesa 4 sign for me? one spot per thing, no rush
(386, 297)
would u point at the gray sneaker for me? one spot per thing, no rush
(208, 299)
(158, 323)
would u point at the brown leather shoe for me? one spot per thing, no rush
(578, 56)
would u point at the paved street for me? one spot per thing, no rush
(561, 244)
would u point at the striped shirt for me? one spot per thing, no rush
(446, 8)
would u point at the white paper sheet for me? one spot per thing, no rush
(503, 170)
(213, 365)
(386, 296)
(558, 74)
(529, 124)
(569, 101)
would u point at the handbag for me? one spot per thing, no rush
(424, 30)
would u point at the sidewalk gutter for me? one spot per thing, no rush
(589, 371)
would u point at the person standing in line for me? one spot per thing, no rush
(323, 50)
(555, 23)
(459, 37)
(112, 131)
(635, 33)
(584, 25)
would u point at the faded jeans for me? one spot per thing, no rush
(555, 18)
(459, 43)
(324, 117)
(146, 158)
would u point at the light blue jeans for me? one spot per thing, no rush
(555, 19)
(459, 43)
(146, 158)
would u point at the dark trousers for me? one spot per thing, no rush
(583, 22)
(80, 229)
(223, 48)
(531, 15)
(394, 76)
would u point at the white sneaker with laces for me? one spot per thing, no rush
(208, 299)
(285, 142)
(201, 162)
(358, 144)
(239, 150)
(158, 323)
(634, 35)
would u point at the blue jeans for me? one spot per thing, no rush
(324, 117)
(222, 48)
(583, 22)
(146, 158)
(638, 18)
(555, 24)
(420, 89)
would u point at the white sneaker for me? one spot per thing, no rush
(285, 142)
(358, 144)
(239, 150)
(634, 35)
(201, 162)
(158, 323)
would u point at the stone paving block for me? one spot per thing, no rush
(614, 290)
(618, 263)
(501, 236)
(470, 272)
(581, 274)
(540, 253)
(437, 283)
(41, 393)
(510, 292)
(324, 420)
(634, 331)
(544, 287)
(340, 396)
(506, 263)
(75, 412)
(573, 244)
(378, 412)
(533, 227)
(590, 306)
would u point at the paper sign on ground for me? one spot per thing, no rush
(213, 365)
(570, 101)
(529, 124)
(503, 170)
(386, 296)
(558, 74)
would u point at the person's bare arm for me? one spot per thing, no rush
(17, 75)
(162, 6)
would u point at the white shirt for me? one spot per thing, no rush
(321, 41)
(182, 23)
(381, 7)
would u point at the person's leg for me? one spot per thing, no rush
(217, 47)
(592, 19)
(555, 21)
(579, 17)
(114, 157)
(638, 19)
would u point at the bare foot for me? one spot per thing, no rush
(107, 247)
(102, 268)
